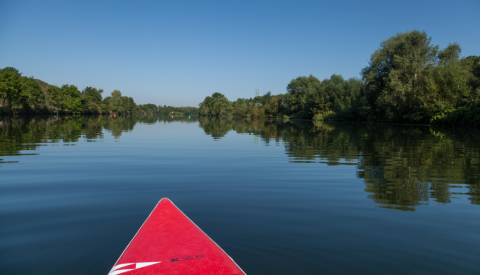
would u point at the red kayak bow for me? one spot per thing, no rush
(168, 242)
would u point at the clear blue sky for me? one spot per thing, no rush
(177, 52)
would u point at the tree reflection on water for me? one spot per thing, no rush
(402, 166)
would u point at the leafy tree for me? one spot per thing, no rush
(16, 90)
(240, 107)
(55, 97)
(9, 87)
(266, 98)
(408, 79)
(129, 104)
(117, 103)
(31, 94)
(397, 73)
(299, 90)
(71, 98)
(472, 65)
(92, 100)
(214, 105)
(148, 108)
(13, 70)
(446, 87)
(66, 98)
(307, 96)
(107, 102)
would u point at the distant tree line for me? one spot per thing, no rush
(406, 80)
(25, 95)
(151, 108)
(267, 105)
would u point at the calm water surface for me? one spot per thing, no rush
(278, 197)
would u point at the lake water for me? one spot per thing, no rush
(279, 197)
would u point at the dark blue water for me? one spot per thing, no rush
(278, 197)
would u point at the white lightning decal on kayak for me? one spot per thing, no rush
(115, 270)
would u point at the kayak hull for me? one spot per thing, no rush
(168, 242)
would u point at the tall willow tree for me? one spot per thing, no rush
(397, 72)
(408, 79)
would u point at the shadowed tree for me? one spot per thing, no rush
(397, 72)
(31, 94)
(92, 100)
(9, 87)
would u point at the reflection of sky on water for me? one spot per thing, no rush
(279, 197)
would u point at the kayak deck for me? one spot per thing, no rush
(168, 242)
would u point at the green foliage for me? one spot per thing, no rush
(410, 80)
(13, 70)
(70, 98)
(267, 105)
(472, 65)
(299, 90)
(214, 105)
(307, 96)
(272, 105)
(26, 94)
(170, 109)
(9, 87)
(55, 97)
(31, 95)
(394, 175)
(116, 103)
(92, 100)
(465, 116)
(398, 72)
(147, 108)
(241, 107)
(17, 92)
(407, 80)
(130, 105)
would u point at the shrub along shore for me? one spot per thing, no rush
(407, 80)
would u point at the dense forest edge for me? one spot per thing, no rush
(21, 95)
(407, 80)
